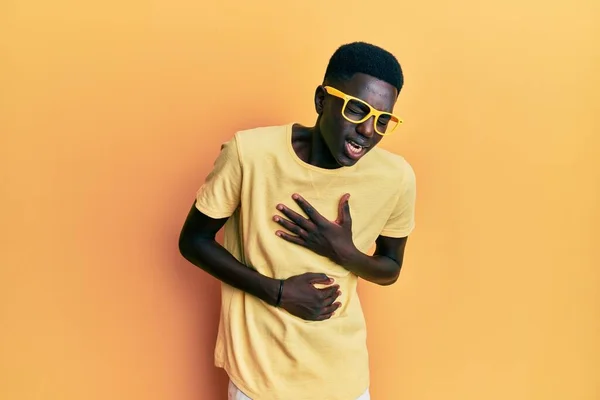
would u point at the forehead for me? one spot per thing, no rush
(377, 93)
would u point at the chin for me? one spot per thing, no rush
(346, 161)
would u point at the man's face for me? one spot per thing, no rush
(348, 142)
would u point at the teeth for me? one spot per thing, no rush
(355, 148)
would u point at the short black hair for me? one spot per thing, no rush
(361, 57)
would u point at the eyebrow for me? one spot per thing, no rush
(364, 106)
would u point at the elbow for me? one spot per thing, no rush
(186, 245)
(391, 279)
(191, 245)
(389, 282)
(183, 247)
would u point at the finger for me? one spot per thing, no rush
(332, 308)
(323, 317)
(328, 312)
(329, 300)
(310, 211)
(295, 217)
(343, 209)
(346, 210)
(330, 291)
(290, 226)
(314, 277)
(290, 238)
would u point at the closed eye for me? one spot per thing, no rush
(383, 120)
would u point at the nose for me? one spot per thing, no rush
(367, 128)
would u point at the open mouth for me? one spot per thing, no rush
(354, 150)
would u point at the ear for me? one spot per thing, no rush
(319, 99)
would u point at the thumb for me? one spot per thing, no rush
(343, 210)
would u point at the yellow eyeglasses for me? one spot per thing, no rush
(357, 111)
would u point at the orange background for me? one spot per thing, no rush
(112, 113)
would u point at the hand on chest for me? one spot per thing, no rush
(363, 215)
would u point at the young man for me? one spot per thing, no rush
(301, 208)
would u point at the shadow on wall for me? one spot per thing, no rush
(197, 295)
(203, 298)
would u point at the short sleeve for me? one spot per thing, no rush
(219, 195)
(402, 220)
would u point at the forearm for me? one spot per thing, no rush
(210, 256)
(378, 269)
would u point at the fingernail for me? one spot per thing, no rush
(276, 219)
(294, 196)
(279, 207)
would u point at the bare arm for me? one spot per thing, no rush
(197, 244)
(383, 267)
(299, 296)
(333, 239)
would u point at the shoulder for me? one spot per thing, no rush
(257, 137)
(254, 143)
(394, 167)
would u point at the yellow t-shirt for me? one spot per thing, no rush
(268, 353)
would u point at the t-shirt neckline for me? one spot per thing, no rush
(302, 163)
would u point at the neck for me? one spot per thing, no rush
(310, 147)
